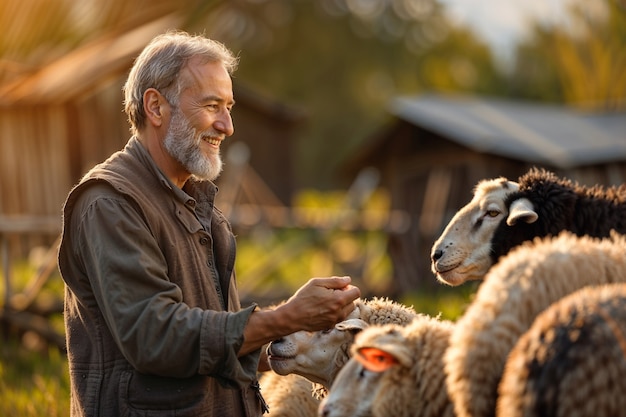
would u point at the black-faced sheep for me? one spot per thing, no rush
(503, 214)
(394, 371)
(288, 395)
(318, 356)
(516, 289)
(572, 361)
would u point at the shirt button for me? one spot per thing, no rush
(204, 240)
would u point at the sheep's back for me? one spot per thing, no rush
(380, 310)
(572, 361)
(514, 292)
(288, 395)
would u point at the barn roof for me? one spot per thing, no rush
(81, 69)
(536, 133)
(85, 69)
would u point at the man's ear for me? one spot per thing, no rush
(154, 106)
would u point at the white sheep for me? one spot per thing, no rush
(318, 356)
(394, 371)
(572, 361)
(515, 291)
(503, 214)
(288, 395)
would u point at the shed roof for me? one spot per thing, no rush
(109, 56)
(536, 133)
(88, 65)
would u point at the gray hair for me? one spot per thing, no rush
(159, 65)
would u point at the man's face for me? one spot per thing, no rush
(202, 120)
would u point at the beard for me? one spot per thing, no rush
(183, 142)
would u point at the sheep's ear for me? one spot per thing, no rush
(374, 359)
(351, 324)
(521, 209)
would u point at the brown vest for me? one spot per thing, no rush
(103, 382)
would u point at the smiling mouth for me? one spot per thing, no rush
(211, 141)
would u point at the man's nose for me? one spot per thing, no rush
(225, 124)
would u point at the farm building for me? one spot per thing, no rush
(438, 147)
(61, 119)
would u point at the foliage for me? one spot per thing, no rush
(447, 302)
(332, 239)
(583, 63)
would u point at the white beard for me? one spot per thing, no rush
(182, 141)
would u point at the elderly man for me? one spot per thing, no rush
(153, 319)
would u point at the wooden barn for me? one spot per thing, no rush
(60, 120)
(438, 147)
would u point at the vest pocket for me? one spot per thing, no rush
(147, 395)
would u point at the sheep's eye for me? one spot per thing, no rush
(493, 213)
(375, 360)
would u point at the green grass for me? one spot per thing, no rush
(33, 383)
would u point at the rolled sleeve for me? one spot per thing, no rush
(220, 341)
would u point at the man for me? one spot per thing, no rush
(153, 320)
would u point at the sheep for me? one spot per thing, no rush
(288, 395)
(572, 361)
(318, 356)
(394, 371)
(503, 214)
(515, 290)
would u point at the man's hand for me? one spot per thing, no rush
(322, 302)
(317, 305)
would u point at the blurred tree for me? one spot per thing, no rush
(342, 60)
(582, 63)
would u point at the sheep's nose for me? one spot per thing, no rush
(436, 255)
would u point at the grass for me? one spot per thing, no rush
(33, 383)
(34, 378)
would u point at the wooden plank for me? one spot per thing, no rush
(21, 224)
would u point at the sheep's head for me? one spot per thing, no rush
(464, 250)
(317, 356)
(389, 369)
(360, 384)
